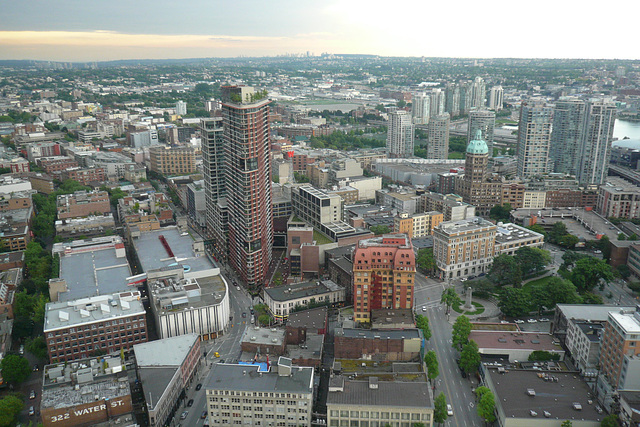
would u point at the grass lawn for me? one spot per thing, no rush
(320, 238)
(460, 308)
(536, 282)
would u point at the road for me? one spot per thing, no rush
(228, 346)
(450, 382)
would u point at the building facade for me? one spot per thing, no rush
(383, 275)
(400, 135)
(438, 137)
(167, 160)
(534, 139)
(619, 199)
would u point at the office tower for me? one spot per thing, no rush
(420, 105)
(581, 138)
(452, 99)
(248, 181)
(483, 120)
(496, 98)
(478, 93)
(438, 134)
(215, 184)
(437, 102)
(181, 108)
(400, 135)
(384, 269)
(534, 138)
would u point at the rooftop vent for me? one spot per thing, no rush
(63, 316)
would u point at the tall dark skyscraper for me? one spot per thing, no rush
(238, 182)
(581, 138)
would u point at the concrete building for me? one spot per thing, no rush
(88, 392)
(619, 349)
(482, 120)
(511, 237)
(464, 248)
(581, 138)
(438, 137)
(420, 108)
(383, 274)
(89, 226)
(405, 201)
(281, 396)
(496, 98)
(534, 138)
(196, 202)
(283, 300)
(417, 225)
(166, 368)
(618, 198)
(248, 180)
(82, 204)
(181, 108)
(375, 402)
(316, 207)
(583, 342)
(478, 94)
(514, 346)
(167, 160)
(263, 341)
(400, 135)
(528, 397)
(75, 329)
(451, 206)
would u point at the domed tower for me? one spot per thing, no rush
(476, 160)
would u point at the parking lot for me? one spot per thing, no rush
(580, 222)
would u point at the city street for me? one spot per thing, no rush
(457, 389)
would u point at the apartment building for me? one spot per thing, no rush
(618, 198)
(418, 224)
(84, 176)
(83, 203)
(464, 248)
(383, 274)
(247, 395)
(167, 160)
(56, 165)
(107, 323)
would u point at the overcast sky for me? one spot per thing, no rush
(92, 30)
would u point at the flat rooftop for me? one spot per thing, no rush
(186, 293)
(378, 333)
(263, 336)
(514, 340)
(225, 376)
(557, 398)
(93, 270)
(389, 393)
(512, 232)
(590, 312)
(301, 290)
(92, 379)
(154, 381)
(153, 255)
(316, 318)
(629, 322)
(165, 352)
(62, 315)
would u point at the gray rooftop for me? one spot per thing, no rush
(154, 382)
(62, 315)
(389, 393)
(263, 336)
(301, 290)
(152, 254)
(378, 333)
(557, 398)
(590, 312)
(186, 294)
(316, 318)
(165, 352)
(88, 274)
(246, 378)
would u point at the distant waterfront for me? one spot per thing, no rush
(625, 128)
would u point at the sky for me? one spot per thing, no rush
(91, 30)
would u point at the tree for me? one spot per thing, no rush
(588, 273)
(431, 360)
(537, 228)
(624, 271)
(460, 332)
(22, 328)
(514, 302)
(622, 236)
(505, 271)
(543, 356)
(450, 298)
(532, 260)
(568, 241)
(37, 347)
(569, 258)
(380, 229)
(15, 368)
(610, 420)
(422, 323)
(10, 407)
(566, 423)
(591, 298)
(558, 230)
(264, 319)
(440, 409)
(426, 260)
(501, 212)
(605, 246)
(470, 357)
(560, 291)
(487, 407)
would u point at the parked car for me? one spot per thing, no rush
(519, 321)
(532, 321)
(184, 415)
(36, 368)
(198, 387)
(424, 308)
(32, 395)
(244, 315)
(544, 319)
(21, 350)
(32, 411)
(190, 403)
(204, 415)
(449, 410)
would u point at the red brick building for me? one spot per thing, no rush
(55, 165)
(84, 175)
(82, 203)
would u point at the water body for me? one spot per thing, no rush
(626, 129)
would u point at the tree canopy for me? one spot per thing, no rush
(10, 407)
(514, 302)
(431, 360)
(501, 212)
(15, 368)
(422, 323)
(589, 272)
(505, 271)
(487, 406)
(532, 260)
(470, 357)
(450, 298)
(460, 332)
(440, 409)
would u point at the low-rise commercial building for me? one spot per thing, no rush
(282, 300)
(88, 392)
(89, 226)
(106, 323)
(242, 394)
(511, 237)
(378, 344)
(83, 203)
(514, 345)
(84, 176)
(165, 369)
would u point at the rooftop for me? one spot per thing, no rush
(93, 267)
(301, 290)
(246, 378)
(557, 398)
(514, 340)
(316, 318)
(628, 321)
(464, 225)
(590, 312)
(169, 294)
(511, 232)
(263, 336)
(62, 315)
(79, 382)
(378, 333)
(165, 352)
(153, 255)
(387, 393)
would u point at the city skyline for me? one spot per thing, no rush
(104, 31)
